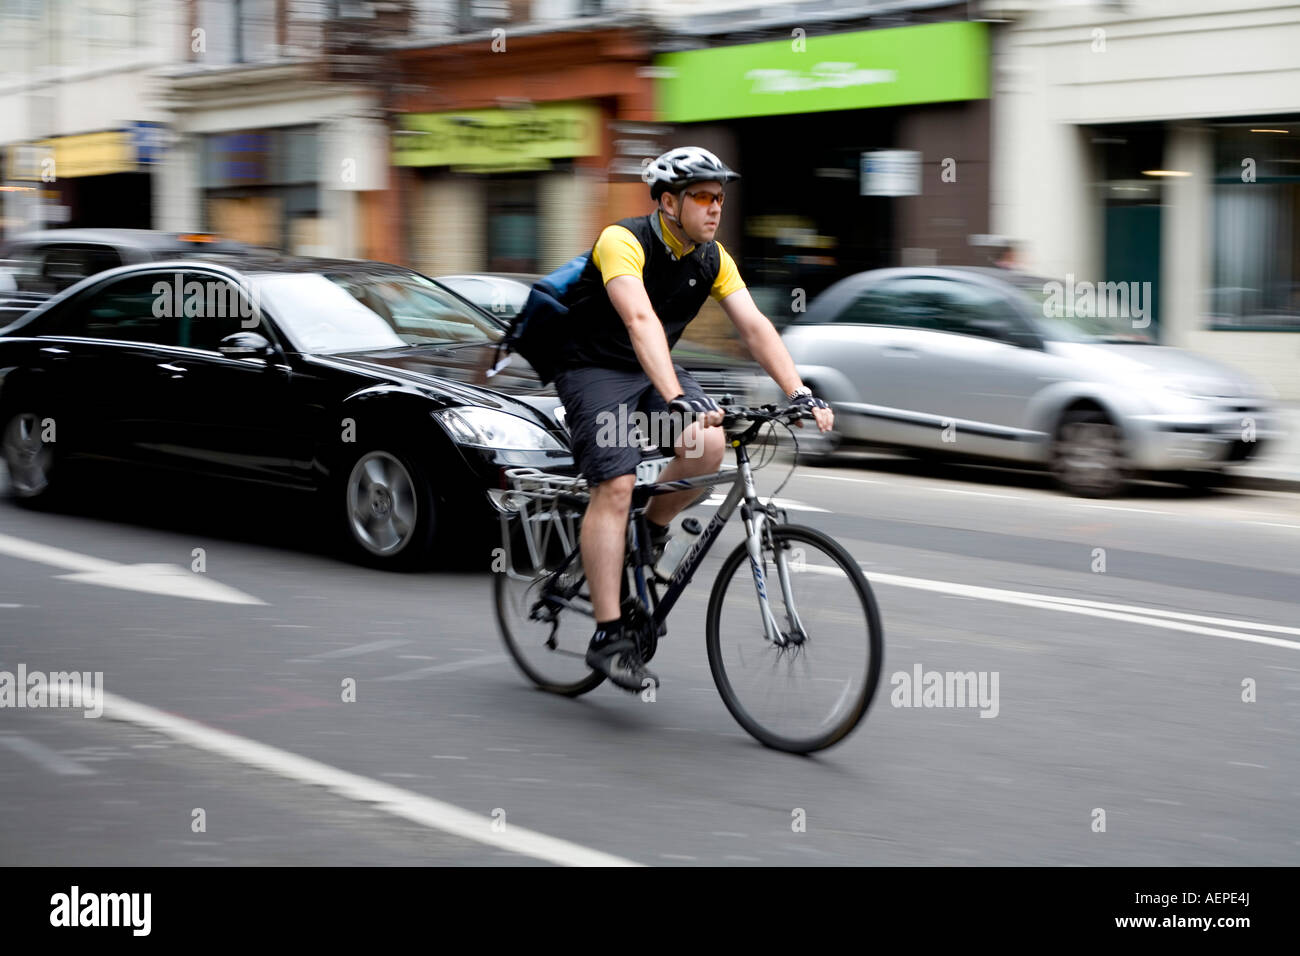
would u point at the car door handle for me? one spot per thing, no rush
(172, 371)
(900, 350)
(57, 353)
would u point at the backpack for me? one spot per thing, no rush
(537, 332)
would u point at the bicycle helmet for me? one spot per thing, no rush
(678, 168)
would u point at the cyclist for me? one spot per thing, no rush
(646, 279)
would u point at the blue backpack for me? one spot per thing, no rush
(538, 332)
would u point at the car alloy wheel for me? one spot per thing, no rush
(30, 459)
(1088, 456)
(383, 507)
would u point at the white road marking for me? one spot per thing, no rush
(863, 481)
(786, 503)
(426, 811)
(447, 668)
(1150, 617)
(51, 760)
(1145, 511)
(981, 494)
(166, 579)
(358, 649)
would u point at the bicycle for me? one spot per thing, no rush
(546, 619)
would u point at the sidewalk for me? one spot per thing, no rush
(1278, 466)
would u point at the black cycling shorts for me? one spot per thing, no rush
(609, 412)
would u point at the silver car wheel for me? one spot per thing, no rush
(1089, 459)
(381, 502)
(28, 458)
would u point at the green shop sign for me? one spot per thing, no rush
(498, 138)
(930, 63)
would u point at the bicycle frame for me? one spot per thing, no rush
(643, 582)
(753, 513)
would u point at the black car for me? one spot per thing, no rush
(347, 379)
(36, 265)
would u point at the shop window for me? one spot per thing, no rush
(123, 310)
(1256, 218)
(512, 225)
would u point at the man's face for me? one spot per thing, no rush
(700, 222)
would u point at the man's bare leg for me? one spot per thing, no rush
(604, 543)
(706, 447)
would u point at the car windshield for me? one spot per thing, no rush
(1068, 325)
(353, 311)
(504, 298)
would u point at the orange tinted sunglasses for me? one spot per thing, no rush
(705, 198)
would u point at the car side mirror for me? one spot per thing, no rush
(246, 345)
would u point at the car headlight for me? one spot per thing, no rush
(487, 428)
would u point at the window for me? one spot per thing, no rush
(1256, 209)
(127, 309)
(939, 305)
(892, 303)
(218, 309)
(52, 269)
(512, 225)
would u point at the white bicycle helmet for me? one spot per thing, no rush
(678, 168)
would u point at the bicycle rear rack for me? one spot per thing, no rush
(546, 509)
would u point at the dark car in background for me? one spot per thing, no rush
(36, 265)
(348, 380)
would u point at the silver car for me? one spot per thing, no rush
(967, 362)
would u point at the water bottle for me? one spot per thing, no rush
(677, 547)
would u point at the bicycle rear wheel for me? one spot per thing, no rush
(812, 693)
(547, 642)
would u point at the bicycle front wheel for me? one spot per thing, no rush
(811, 692)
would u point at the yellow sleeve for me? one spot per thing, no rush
(618, 253)
(728, 280)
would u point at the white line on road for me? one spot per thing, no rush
(1145, 511)
(447, 668)
(981, 494)
(150, 578)
(788, 503)
(426, 811)
(51, 760)
(1151, 617)
(359, 649)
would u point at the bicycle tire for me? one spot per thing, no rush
(874, 635)
(501, 600)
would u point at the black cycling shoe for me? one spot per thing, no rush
(617, 657)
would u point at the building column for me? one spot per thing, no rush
(1185, 241)
(177, 187)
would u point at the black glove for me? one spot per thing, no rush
(811, 401)
(693, 408)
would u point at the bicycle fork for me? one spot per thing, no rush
(755, 518)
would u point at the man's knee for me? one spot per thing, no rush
(614, 493)
(703, 445)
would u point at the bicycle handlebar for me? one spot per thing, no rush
(736, 415)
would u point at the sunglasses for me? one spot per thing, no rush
(705, 198)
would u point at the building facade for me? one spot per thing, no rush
(1158, 141)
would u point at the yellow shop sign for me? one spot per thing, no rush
(493, 138)
(67, 157)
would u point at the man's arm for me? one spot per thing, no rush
(628, 295)
(762, 339)
(764, 343)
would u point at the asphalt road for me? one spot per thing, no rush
(231, 714)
